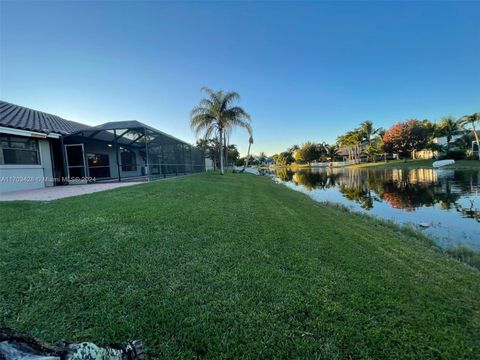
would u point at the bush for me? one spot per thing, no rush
(470, 154)
(454, 154)
(240, 162)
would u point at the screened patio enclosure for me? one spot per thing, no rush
(128, 150)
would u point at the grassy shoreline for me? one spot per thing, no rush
(234, 266)
(393, 164)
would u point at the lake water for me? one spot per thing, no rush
(447, 200)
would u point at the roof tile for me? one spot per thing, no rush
(20, 117)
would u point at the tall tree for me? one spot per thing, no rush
(308, 152)
(250, 142)
(211, 148)
(293, 148)
(405, 137)
(262, 157)
(368, 131)
(331, 151)
(448, 127)
(284, 158)
(232, 154)
(215, 115)
(468, 121)
(352, 141)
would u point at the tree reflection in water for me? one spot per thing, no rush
(400, 188)
(469, 212)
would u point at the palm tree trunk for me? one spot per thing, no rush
(221, 151)
(248, 156)
(476, 138)
(225, 149)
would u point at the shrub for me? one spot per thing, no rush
(455, 154)
(469, 154)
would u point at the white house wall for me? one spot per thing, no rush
(28, 177)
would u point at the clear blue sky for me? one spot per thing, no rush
(305, 71)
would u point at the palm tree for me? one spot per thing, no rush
(262, 157)
(293, 148)
(448, 127)
(471, 120)
(367, 130)
(331, 151)
(343, 142)
(250, 142)
(352, 141)
(215, 115)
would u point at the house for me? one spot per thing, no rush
(39, 150)
(352, 152)
(442, 141)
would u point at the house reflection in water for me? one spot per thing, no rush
(400, 188)
(415, 176)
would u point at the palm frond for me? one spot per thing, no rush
(209, 131)
(199, 122)
(199, 110)
(215, 113)
(240, 123)
(209, 92)
(239, 112)
(229, 98)
(206, 103)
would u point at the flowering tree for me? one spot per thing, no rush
(405, 137)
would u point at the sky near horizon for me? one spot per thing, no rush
(304, 70)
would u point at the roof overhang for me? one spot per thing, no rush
(27, 133)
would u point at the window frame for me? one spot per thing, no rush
(23, 139)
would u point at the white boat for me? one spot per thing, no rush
(441, 163)
(253, 171)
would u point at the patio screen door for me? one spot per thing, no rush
(75, 161)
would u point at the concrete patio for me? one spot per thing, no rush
(60, 192)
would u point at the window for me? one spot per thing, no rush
(98, 165)
(17, 150)
(128, 160)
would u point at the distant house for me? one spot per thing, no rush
(352, 152)
(343, 152)
(39, 150)
(269, 161)
(209, 164)
(442, 141)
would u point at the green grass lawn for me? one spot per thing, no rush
(231, 267)
(415, 164)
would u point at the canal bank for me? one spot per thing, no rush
(443, 203)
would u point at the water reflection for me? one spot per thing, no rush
(400, 194)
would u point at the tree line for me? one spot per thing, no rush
(217, 115)
(404, 139)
